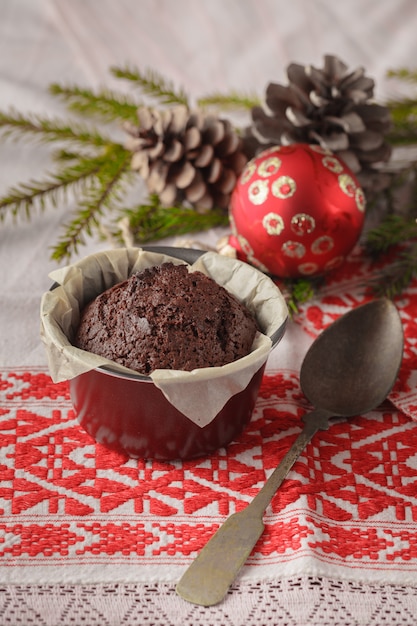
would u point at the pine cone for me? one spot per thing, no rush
(332, 107)
(186, 157)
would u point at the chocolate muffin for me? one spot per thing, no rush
(167, 317)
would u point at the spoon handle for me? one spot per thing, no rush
(208, 578)
(313, 421)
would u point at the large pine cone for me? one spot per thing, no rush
(186, 157)
(332, 107)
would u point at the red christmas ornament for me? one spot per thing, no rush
(296, 211)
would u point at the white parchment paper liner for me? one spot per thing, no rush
(199, 394)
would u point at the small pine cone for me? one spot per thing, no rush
(186, 157)
(332, 107)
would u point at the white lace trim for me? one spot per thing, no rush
(301, 601)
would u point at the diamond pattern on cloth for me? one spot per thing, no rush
(71, 508)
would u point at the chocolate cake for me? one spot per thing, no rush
(167, 317)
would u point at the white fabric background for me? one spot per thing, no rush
(201, 45)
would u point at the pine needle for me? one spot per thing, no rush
(394, 279)
(404, 132)
(392, 230)
(111, 181)
(105, 104)
(150, 222)
(397, 235)
(403, 112)
(24, 197)
(403, 74)
(299, 291)
(233, 100)
(45, 129)
(152, 84)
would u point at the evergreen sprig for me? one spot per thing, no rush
(23, 197)
(396, 235)
(106, 191)
(403, 111)
(403, 73)
(299, 291)
(404, 116)
(105, 104)
(232, 100)
(395, 277)
(393, 230)
(152, 84)
(13, 123)
(151, 221)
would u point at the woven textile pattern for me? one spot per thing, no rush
(68, 501)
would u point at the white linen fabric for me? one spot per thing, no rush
(203, 46)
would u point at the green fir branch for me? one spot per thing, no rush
(403, 73)
(403, 111)
(404, 122)
(152, 84)
(63, 155)
(402, 108)
(48, 130)
(299, 291)
(395, 234)
(24, 197)
(111, 182)
(394, 279)
(233, 100)
(152, 221)
(404, 131)
(392, 230)
(104, 104)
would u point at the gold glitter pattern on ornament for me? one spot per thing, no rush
(248, 172)
(254, 261)
(284, 187)
(347, 185)
(232, 224)
(245, 246)
(332, 164)
(273, 223)
(308, 268)
(269, 167)
(270, 150)
(258, 191)
(302, 224)
(293, 249)
(322, 245)
(360, 199)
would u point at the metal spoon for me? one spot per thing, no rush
(348, 370)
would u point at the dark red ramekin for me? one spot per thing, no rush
(133, 416)
(129, 414)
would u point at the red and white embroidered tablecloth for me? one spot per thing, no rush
(74, 513)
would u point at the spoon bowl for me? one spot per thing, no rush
(348, 370)
(352, 365)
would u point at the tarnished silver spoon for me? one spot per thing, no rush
(348, 370)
